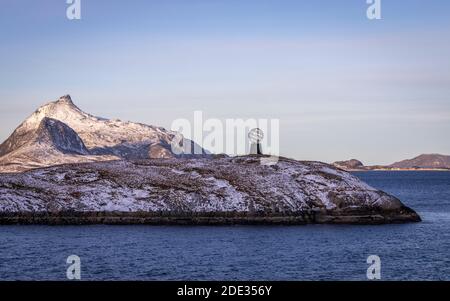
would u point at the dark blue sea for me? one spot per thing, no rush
(315, 252)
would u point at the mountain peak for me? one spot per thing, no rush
(65, 99)
(61, 125)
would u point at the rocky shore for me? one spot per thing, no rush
(140, 218)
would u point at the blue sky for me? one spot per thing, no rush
(342, 86)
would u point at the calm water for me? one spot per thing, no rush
(314, 252)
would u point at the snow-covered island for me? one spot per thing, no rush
(218, 190)
(64, 166)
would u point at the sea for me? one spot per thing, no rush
(416, 251)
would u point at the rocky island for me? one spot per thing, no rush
(64, 166)
(220, 190)
(424, 162)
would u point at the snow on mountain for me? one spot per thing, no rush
(211, 191)
(99, 137)
(51, 143)
(57, 134)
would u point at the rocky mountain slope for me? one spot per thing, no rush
(51, 142)
(426, 161)
(195, 191)
(95, 137)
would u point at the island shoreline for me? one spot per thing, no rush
(405, 215)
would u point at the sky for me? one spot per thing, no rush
(342, 86)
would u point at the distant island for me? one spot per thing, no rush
(423, 162)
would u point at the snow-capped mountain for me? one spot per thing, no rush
(72, 134)
(51, 143)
